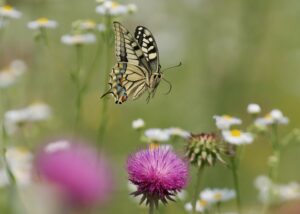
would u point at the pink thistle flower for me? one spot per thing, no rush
(158, 174)
(76, 169)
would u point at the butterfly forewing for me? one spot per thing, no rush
(148, 45)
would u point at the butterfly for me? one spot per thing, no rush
(137, 69)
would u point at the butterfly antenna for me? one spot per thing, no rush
(107, 93)
(170, 86)
(172, 67)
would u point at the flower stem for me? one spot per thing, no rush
(151, 207)
(197, 187)
(104, 116)
(76, 78)
(276, 154)
(234, 169)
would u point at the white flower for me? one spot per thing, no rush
(274, 117)
(114, 9)
(217, 195)
(178, 132)
(253, 108)
(20, 163)
(201, 205)
(226, 121)
(138, 124)
(182, 195)
(9, 75)
(78, 39)
(237, 137)
(8, 11)
(101, 27)
(13, 119)
(87, 25)
(42, 23)
(157, 135)
(57, 146)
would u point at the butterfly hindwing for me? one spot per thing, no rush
(148, 45)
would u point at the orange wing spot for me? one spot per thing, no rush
(124, 98)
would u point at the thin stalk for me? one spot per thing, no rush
(219, 208)
(234, 169)
(76, 78)
(151, 207)
(44, 36)
(104, 116)
(197, 187)
(276, 153)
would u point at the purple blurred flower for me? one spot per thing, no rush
(158, 174)
(77, 169)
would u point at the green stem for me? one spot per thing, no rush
(234, 169)
(77, 83)
(44, 36)
(151, 207)
(218, 207)
(104, 116)
(276, 154)
(197, 187)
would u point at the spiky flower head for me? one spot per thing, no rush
(204, 149)
(158, 174)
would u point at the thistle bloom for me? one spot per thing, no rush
(138, 124)
(8, 11)
(224, 122)
(113, 8)
(19, 161)
(274, 117)
(253, 108)
(42, 23)
(77, 170)
(217, 195)
(237, 137)
(204, 149)
(78, 39)
(158, 174)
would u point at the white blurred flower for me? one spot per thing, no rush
(87, 25)
(237, 137)
(57, 146)
(42, 23)
(13, 119)
(201, 206)
(157, 135)
(138, 124)
(78, 39)
(270, 192)
(9, 75)
(182, 195)
(274, 117)
(114, 9)
(178, 132)
(101, 27)
(224, 122)
(253, 108)
(217, 195)
(8, 11)
(19, 161)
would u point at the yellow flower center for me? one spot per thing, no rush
(90, 23)
(43, 20)
(235, 133)
(203, 203)
(7, 7)
(153, 146)
(114, 4)
(268, 116)
(218, 196)
(227, 117)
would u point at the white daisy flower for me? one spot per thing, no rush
(178, 132)
(20, 163)
(57, 146)
(88, 25)
(42, 23)
(138, 124)
(101, 27)
(78, 39)
(9, 75)
(217, 195)
(224, 122)
(114, 9)
(253, 108)
(201, 206)
(14, 119)
(157, 135)
(274, 117)
(8, 11)
(132, 8)
(237, 137)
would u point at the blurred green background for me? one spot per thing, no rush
(233, 52)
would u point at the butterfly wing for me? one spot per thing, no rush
(148, 45)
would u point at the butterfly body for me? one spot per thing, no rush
(137, 69)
